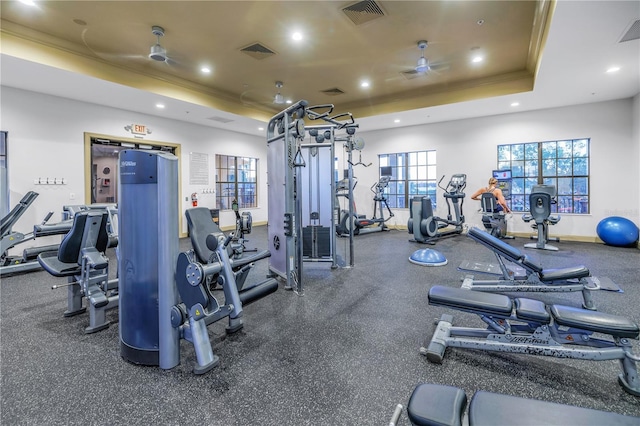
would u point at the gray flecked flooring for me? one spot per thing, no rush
(344, 354)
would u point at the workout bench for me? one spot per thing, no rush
(576, 278)
(527, 326)
(442, 405)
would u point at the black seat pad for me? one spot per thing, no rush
(474, 301)
(436, 405)
(49, 261)
(570, 273)
(595, 321)
(492, 409)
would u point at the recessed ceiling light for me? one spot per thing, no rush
(364, 84)
(28, 2)
(477, 59)
(297, 36)
(397, 120)
(515, 104)
(613, 69)
(160, 106)
(261, 128)
(205, 70)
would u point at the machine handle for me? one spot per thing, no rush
(46, 218)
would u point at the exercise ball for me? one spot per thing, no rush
(428, 257)
(617, 231)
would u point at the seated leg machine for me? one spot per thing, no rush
(82, 260)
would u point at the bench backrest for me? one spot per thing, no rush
(496, 244)
(488, 203)
(540, 206)
(200, 224)
(89, 229)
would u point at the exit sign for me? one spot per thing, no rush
(138, 129)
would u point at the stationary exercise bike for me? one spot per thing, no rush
(360, 223)
(540, 201)
(426, 227)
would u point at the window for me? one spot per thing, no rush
(412, 174)
(237, 179)
(563, 164)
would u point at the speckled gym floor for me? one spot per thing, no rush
(344, 354)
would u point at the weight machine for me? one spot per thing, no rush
(28, 261)
(298, 228)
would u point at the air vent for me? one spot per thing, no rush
(220, 119)
(633, 33)
(333, 92)
(411, 74)
(363, 11)
(258, 51)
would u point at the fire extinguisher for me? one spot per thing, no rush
(194, 199)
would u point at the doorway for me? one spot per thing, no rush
(101, 164)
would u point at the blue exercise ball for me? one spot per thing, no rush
(428, 257)
(617, 231)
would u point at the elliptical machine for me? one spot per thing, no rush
(244, 222)
(426, 227)
(360, 223)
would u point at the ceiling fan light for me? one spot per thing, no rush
(158, 53)
(423, 65)
(278, 99)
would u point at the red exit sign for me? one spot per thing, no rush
(138, 129)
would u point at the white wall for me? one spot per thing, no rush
(46, 139)
(469, 146)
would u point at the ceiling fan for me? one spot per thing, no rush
(259, 97)
(157, 52)
(278, 99)
(423, 63)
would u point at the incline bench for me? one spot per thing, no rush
(528, 326)
(575, 278)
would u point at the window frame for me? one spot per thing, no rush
(413, 174)
(564, 163)
(227, 180)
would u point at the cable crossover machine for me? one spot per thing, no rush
(302, 187)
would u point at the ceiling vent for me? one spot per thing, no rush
(363, 11)
(633, 33)
(220, 119)
(332, 92)
(258, 51)
(411, 74)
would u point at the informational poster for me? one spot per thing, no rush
(198, 168)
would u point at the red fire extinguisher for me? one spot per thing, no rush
(194, 199)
